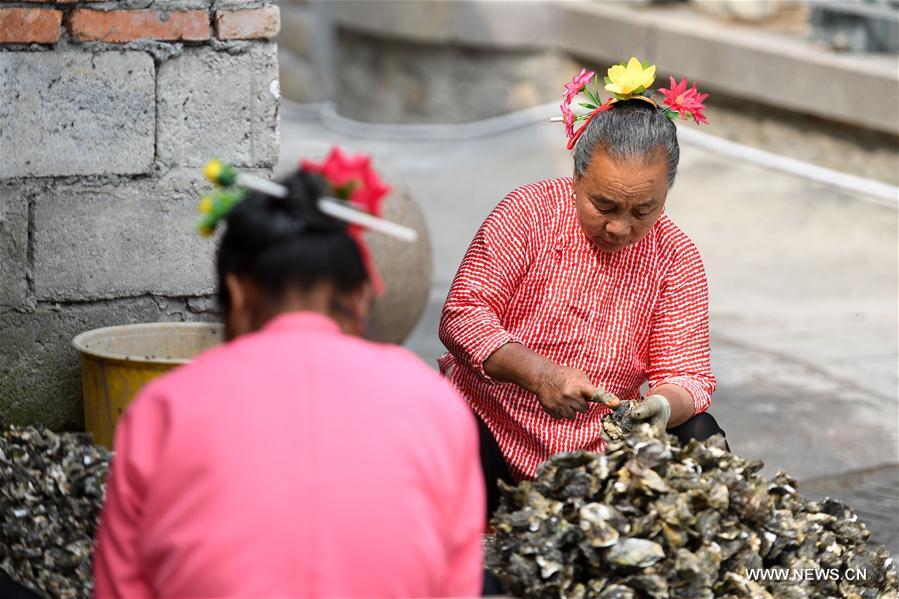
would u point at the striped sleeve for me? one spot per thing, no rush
(471, 326)
(679, 339)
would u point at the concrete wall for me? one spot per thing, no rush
(440, 61)
(398, 81)
(107, 111)
(485, 57)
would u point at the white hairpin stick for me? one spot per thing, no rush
(333, 207)
(262, 185)
(341, 210)
(555, 119)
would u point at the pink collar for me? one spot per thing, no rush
(302, 321)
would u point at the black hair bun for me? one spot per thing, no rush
(269, 220)
(288, 242)
(305, 190)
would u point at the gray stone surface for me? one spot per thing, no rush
(39, 370)
(510, 25)
(222, 104)
(298, 29)
(297, 77)
(305, 50)
(74, 113)
(13, 245)
(391, 81)
(104, 241)
(152, 4)
(404, 267)
(180, 4)
(236, 4)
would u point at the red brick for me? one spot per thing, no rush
(248, 24)
(128, 25)
(29, 25)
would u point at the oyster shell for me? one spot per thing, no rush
(618, 424)
(650, 518)
(51, 492)
(635, 552)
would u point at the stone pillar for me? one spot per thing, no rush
(107, 111)
(304, 49)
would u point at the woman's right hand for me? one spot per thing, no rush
(563, 392)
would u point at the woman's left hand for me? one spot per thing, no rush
(655, 410)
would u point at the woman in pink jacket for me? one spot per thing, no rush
(296, 460)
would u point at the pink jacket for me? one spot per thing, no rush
(294, 462)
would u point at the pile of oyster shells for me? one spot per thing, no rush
(51, 491)
(649, 518)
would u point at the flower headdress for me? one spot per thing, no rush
(356, 189)
(627, 81)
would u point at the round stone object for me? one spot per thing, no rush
(404, 267)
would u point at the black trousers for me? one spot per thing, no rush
(701, 427)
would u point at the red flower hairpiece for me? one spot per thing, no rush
(685, 102)
(352, 178)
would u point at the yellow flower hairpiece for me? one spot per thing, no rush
(625, 80)
(216, 206)
(220, 173)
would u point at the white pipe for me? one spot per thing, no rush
(871, 190)
(885, 194)
(433, 131)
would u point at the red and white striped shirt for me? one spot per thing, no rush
(531, 276)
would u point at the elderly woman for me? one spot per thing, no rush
(574, 287)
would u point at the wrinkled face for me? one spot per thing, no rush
(619, 200)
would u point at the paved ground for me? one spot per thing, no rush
(803, 283)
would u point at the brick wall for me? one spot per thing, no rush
(107, 111)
